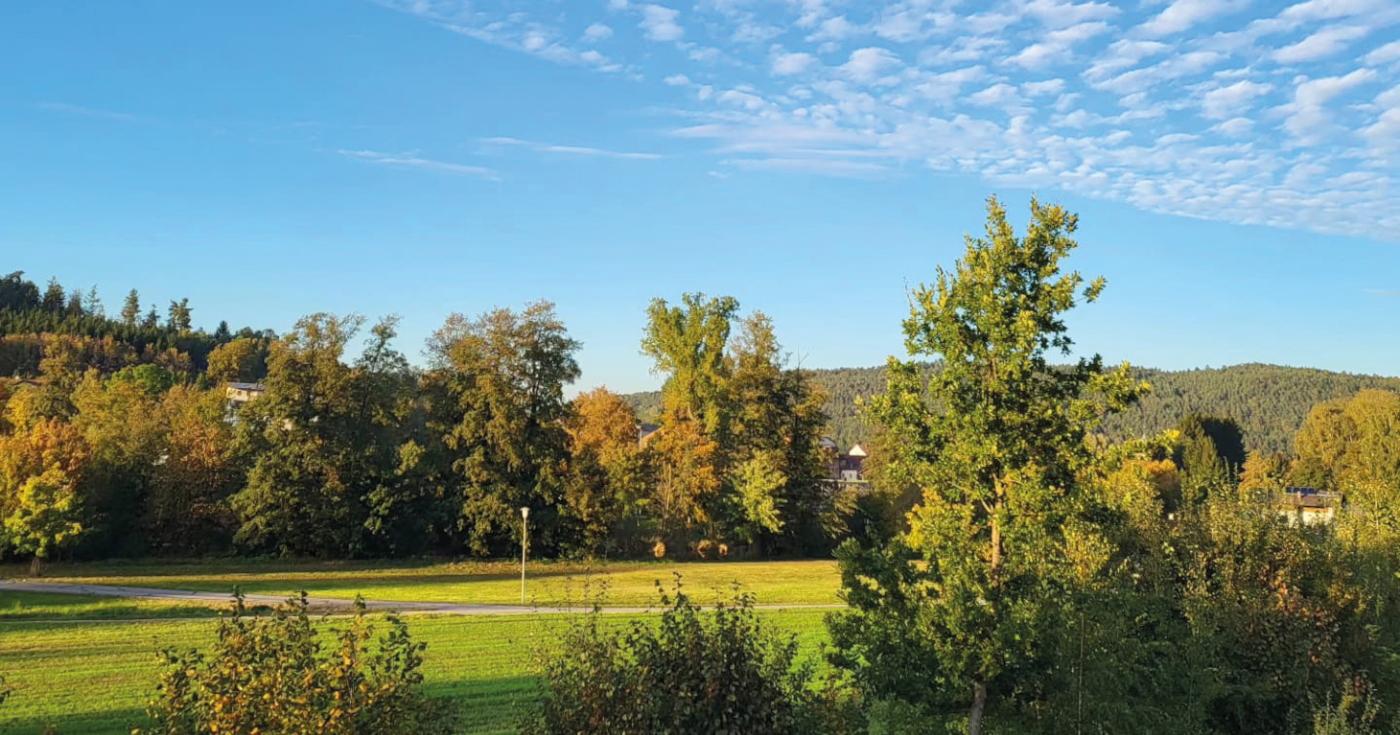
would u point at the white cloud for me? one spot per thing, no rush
(1252, 111)
(1058, 45)
(1308, 117)
(1181, 15)
(1312, 92)
(409, 160)
(1062, 14)
(786, 64)
(660, 24)
(705, 54)
(834, 29)
(1385, 54)
(868, 63)
(1122, 54)
(1049, 86)
(1330, 9)
(1325, 42)
(1225, 102)
(597, 32)
(997, 95)
(962, 50)
(1234, 127)
(1188, 64)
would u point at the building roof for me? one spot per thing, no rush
(1307, 497)
(246, 386)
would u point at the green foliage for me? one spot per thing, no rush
(690, 672)
(45, 518)
(275, 675)
(688, 345)
(757, 482)
(996, 439)
(739, 456)
(324, 441)
(497, 408)
(1268, 401)
(1352, 445)
(154, 380)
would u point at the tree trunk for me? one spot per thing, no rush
(36, 566)
(979, 703)
(979, 686)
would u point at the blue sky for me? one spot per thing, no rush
(1236, 164)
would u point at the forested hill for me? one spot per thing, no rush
(1268, 401)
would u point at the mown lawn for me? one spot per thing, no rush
(53, 606)
(494, 582)
(90, 678)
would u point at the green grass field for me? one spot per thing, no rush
(51, 606)
(91, 678)
(549, 583)
(86, 665)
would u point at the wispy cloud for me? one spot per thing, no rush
(1250, 112)
(410, 160)
(572, 150)
(85, 111)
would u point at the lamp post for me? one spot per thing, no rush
(524, 544)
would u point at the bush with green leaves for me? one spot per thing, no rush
(687, 672)
(275, 675)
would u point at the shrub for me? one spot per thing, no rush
(274, 676)
(688, 672)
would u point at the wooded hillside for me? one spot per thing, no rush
(1268, 401)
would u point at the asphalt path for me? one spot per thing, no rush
(330, 604)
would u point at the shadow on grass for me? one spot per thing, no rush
(483, 706)
(108, 722)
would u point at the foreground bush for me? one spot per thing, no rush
(274, 676)
(690, 672)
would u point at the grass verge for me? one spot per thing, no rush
(93, 678)
(629, 583)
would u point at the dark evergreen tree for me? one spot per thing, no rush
(131, 308)
(54, 296)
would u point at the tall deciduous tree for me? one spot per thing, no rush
(242, 360)
(315, 439)
(775, 448)
(497, 394)
(609, 473)
(688, 344)
(996, 439)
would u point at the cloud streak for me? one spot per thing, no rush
(412, 161)
(572, 150)
(68, 109)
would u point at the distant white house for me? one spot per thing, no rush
(848, 466)
(236, 395)
(1308, 506)
(241, 393)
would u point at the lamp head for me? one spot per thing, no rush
(524, 512)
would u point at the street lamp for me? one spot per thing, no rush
(524, 544)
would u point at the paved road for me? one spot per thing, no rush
(324, 603)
